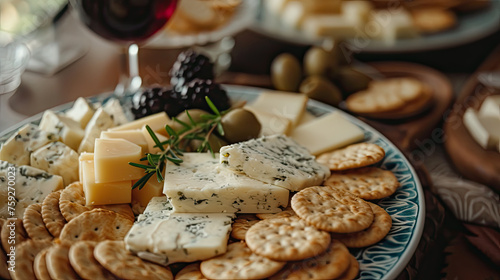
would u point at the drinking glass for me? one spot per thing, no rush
(129, 23)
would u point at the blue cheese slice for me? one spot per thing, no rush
(164, 237)
(19, 146)
(199, 184)
(276, 160)
(115, 110)
(58, 159)
(31, 185)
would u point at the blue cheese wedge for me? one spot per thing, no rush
(59, 159)
(199, 184)
(66, 129)
(31, 185)
(81, 112)
(164, 237)
(276, 160)
(19, 146)
(115, 110)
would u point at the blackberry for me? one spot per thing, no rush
(192, 95)
(190, 65)
(155, 100)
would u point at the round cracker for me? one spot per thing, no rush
(40, 265)
(328, 265)
(52, 218)
(81, 258)
(33, 222)
(288, 212)
(377, 231)
(239, 262)
(367, 183)
(118, 260)
(353, 156)
(286, 239)
(25, 255)
(352, 271)
(72, 201)
(97, 225)
(432, 20)
(241, 225)
(331, 209)
(58, 264)
(190, 272)
(123, 209)
(20, 234)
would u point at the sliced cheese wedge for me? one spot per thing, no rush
(289, 105)
(157, 123)
(112, 157)
(134, 136)
(271, 124)
(81, 112)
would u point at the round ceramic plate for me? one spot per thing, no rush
(470, 27)
(386, 259)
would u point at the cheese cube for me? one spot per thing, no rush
(336, 26)
(19, 146)
(276, 160)
(284, 104)
(115, 110)
(99, 122)
(198, 185)
(164, 237)
(112, 157)
(491, 106)
(156, 121)
(151, 189)
(151, 143)
(357, 12)
(394, 24)
(484, 129)
(83, 157)
(271, 123)
(134, 136)
(81, 112)
(68, 130)
(104, 193)
(59, 159)
(326, 133)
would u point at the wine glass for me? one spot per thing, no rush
(127, 22)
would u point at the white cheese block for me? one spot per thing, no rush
(59, 159)
(200, 185)
(150, 142)
(326, 133)
(68, 130)
(111, 159)
(276, 160)
(271, 123)
(326, 25)
(484, 129)
(103, 193)
(164, 237)
(83, 157)
(357, 12)
(491, 106)
(289, 105)
(115, 111)
(31, 185)
(134, 136)
(19, 146)
(307, 117)
(81, 112)
(156, 121)
(99, 122)
(393, 25)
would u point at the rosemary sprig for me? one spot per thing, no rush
(173, 148)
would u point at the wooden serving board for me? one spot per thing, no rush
(471, 160)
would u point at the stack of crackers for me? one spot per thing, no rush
(391, 98)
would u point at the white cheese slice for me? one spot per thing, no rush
(276, 160)
(200, 185)
(115, 111)
(484, 129)
(156, 121)
(307, 117)
(19, 146)
(83, 157)
(81, 112)
(59, 159)
(99, 122)
(275, 6)
(491, 106)
(31, 185)
(68, 130)
(326, 133)
(271, 124)
(289, 105)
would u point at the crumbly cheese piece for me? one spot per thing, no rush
(19, 146)
(271, 123)
(156, 121)
(68, 130)
(199, 184)
(111, 159)
(59, 159)
(103, 193)
(99, 122)
(31, 185)
(491, 106)
(164, 237)
(115, 110)
(134, 136)
(276, 160)
(484, 129)
(81, 112)
(289, 105)
(326, 133)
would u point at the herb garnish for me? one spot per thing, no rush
(173, 148)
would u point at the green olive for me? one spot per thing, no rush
(183, 117)
(321, 89)
(352, 80)
(215, 143)
(286, 72)
(240, 125)
(318, 61)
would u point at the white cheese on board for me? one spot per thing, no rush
(484, 129)
(199, 184)
(99, 122)
(68, 130)
(290, 105)
(112, 158)
(491, 107)
(115, 110)
(271, 124)
(81, 112)
(156, 121)
(59, 159)
(275, 160)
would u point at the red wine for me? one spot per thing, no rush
(125, 20)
